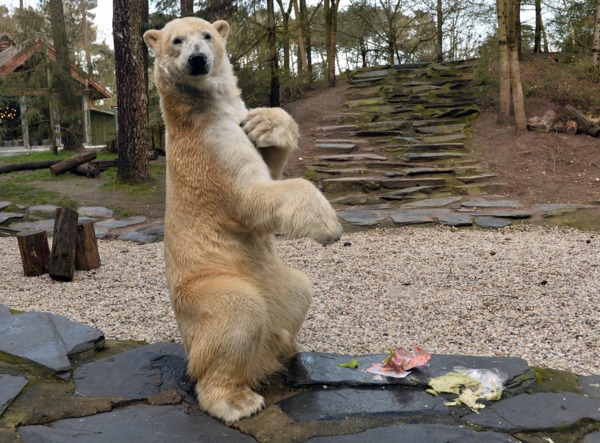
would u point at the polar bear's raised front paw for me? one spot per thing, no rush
(267, 127)
(329, 232)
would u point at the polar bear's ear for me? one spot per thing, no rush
(222, 28)
(151, 38)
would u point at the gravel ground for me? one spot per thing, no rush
(532, 292)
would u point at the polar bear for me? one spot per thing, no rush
(238, 306)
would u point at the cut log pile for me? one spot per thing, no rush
(74, 247)
(571, 121)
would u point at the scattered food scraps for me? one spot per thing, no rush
(470, 385)
(352, 364)
(399, 361)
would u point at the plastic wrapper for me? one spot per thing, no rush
(400, 361)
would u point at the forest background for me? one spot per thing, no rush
(282, 48)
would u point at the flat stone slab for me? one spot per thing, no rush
(432, 202)
(590, 385)
(10, 387)
(434, 139)
(421, 171)
(359, 217)
(4, 205)
(483, 203)
(455, 220)
(41, 212)
(442, 129)
(336, 146)
(5, 216)
(518, 214)
(95, 211)
(419, 433)
(476, 178)
(432, 156)
(47, 339)
(369, 74)
(318, 369)
(492, 222)
(352, 200)
(40, 225)
(542, 411)
(122, 223)
(142, 423)
(338, 128)
(137, 374)
(350, 157)
(4, 310)
(137, 237)
(343, 403)
(403, 193)
(593, 437)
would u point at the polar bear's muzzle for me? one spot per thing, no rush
(198, 64)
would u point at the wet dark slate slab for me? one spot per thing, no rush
(318, 369)
(123, 222)
(481, 203)
(46, 339)
(137, 374)
(455, 220)
(593, 437)
(403, 219)
(369, 74)
(4, 205)
(4, 310)
(10, 387)
(545, 410)
(137, 237)
(403, 193)
(95, 211)
(516, 214)
(336, 404)
(361, 218)
(40, 225)
(590, 385)
(5, 216)
(419, 433)
(41, 212)
(148, 424)
(432, 202)
(492, 222)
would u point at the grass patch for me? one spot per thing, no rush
(29, 195)
(157, 172)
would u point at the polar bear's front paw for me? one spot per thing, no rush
(330, 230)
(268, 127)
(234, 405)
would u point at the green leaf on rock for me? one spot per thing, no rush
(352, 364)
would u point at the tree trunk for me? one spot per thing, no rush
(330, 11)
(63, 83)
(537, 46)
(131, 92)
(187, 8)
(438, 33)
(515, 73)
(303, 62)
(35, 253)
(596, 45)
(517, 19)
(285, 15)
(273, 60)
(504, 62)
(306, 32)
(29, 166)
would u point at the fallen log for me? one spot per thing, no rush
(62, 258)
(572, 127)
(589, 126)
(28, 166)
(71, 163)
(87, 170)
(35, 253)
(103, 165)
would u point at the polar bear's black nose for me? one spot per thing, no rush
(197, 64)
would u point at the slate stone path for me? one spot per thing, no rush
(62, 381)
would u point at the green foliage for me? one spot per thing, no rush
(27, 195)
(157, 172)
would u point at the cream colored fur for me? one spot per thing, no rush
(238, 306)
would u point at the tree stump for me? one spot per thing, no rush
(35, 253)
(86, 250)
(585, 123)
(62, 260)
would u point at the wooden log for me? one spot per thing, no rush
(71, 163)
(545, 123)
(572, 127)
(87, 170)
(87, 256)
(590, 127)
(35, 253)
(103, 165)
(29, 166)
(62, 259)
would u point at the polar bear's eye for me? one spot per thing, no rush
(207, 37)
(177, 41)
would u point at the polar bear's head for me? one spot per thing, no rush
(189, 50)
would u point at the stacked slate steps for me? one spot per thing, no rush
(401, 136)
